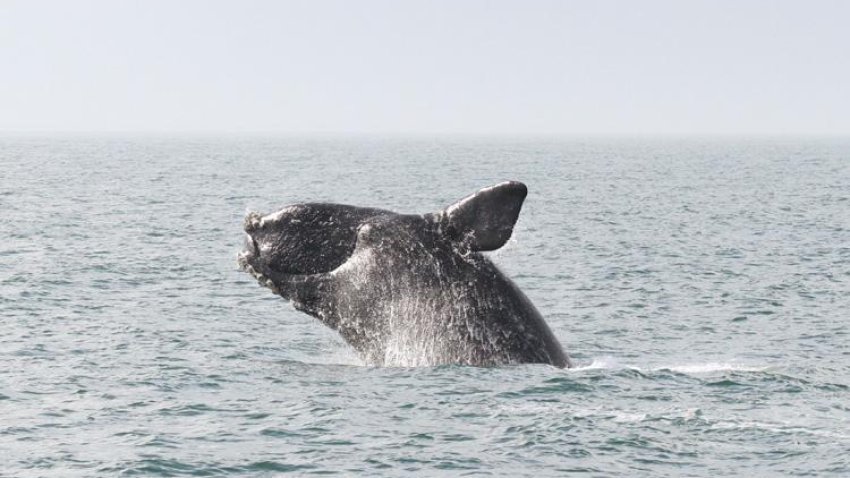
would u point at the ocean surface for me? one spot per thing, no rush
(701, 286)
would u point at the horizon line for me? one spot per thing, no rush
(422, 134)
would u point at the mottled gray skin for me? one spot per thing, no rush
(405, 290)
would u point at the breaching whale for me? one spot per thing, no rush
(405, 289)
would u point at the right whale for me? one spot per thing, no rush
(405, 289)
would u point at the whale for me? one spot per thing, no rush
(405, 290)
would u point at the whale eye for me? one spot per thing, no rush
(370, 233)
(366, 231)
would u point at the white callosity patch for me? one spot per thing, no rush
(276, 216)
(253, 220)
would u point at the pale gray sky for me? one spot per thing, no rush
(485, 66)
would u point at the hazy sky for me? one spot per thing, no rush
(489, 66)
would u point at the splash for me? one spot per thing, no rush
(600, 363)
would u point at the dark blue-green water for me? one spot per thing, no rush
(701, 286)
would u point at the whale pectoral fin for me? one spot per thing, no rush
(484, 221)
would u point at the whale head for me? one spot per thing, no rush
(314, 238)
(301, 238)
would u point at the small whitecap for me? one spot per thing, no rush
(712, 367)
(623, 417)
(601, 363)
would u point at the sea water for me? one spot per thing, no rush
(701, 286)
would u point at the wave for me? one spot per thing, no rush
(714, 367)
(612, 363)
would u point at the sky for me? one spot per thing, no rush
(427, 67)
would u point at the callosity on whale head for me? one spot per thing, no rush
(405, 289)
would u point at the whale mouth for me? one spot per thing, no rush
(251, 251)
(249, 254)
(249, 261)
(252, 246)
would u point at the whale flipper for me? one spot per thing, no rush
(484, 221)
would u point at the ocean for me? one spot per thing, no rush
(701, 286)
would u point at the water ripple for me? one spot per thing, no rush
(699, 285)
